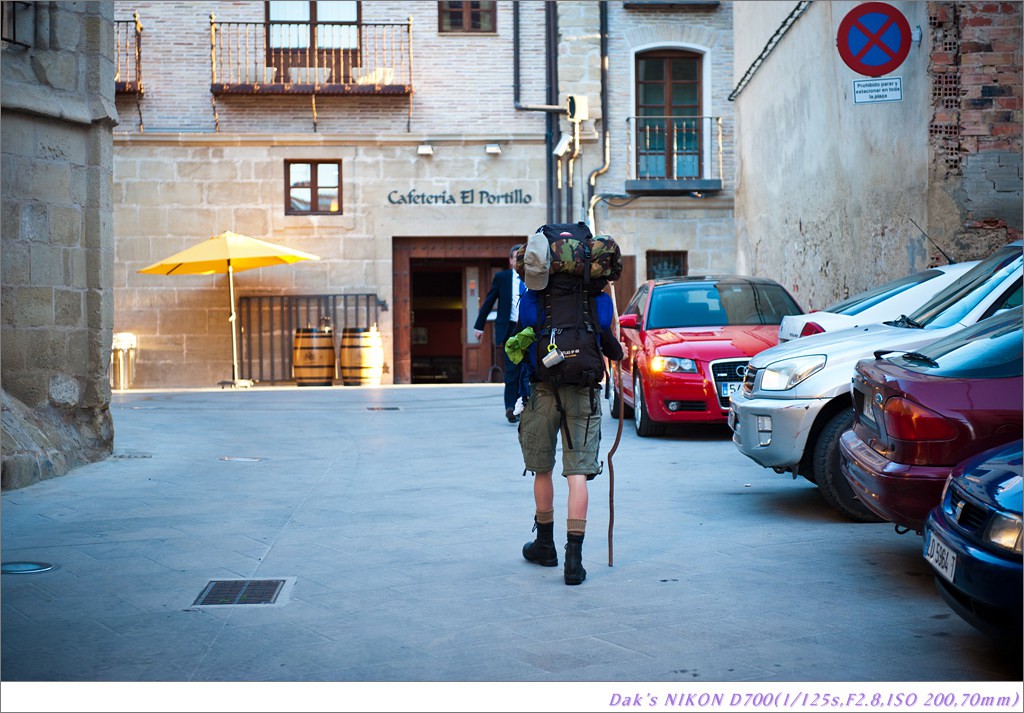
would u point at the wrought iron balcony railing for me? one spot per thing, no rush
(310, 58)
(674, 154)
(128, 59)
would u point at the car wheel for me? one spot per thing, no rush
(614, 399)
(641, 419)
(832, 484)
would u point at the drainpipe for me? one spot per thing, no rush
(605, 136)
(552, 110)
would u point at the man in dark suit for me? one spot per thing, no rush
(506, 289)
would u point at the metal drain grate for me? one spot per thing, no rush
(383, 408)
(240, 591)
(124, 456)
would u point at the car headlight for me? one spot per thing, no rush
(786, 374)
(674, 365)
(1004, 532)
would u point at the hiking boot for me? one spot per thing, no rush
(542, 550)
(574, 572)
(512, 418)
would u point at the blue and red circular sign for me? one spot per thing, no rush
(873, 39)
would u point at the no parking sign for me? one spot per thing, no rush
(873, 39)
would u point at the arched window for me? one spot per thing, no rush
(669, 123)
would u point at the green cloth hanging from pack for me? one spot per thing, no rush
(517, 345)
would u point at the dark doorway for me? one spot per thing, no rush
(444, 300)
(436, 322)
(438, 286)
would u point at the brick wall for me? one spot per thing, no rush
(975, 132)
(461, 81)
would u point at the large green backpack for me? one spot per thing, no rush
(574, 248)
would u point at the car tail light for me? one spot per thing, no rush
(909, 421)
(811, 328)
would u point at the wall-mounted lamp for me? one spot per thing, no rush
(493, 149)
(425, 150)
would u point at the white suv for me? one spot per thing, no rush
(795, 401)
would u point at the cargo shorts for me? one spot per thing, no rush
(540, 425)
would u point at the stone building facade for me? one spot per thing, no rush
(58, 114)
(835, 195)
(441, 172)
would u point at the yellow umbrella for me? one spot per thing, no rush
(227, 253)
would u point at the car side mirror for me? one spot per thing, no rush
(629, 321)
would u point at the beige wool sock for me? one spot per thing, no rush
(576, 526)
(545, 517)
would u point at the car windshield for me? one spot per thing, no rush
(718, 304)
(991, 349)
(869, 298)
(954, 301)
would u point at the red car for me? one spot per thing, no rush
(918, 414)
(687, 341)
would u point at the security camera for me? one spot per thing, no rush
(562, 146)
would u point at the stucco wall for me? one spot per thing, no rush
(829, 191)
(58, 114)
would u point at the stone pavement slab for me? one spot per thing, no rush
(397, 515)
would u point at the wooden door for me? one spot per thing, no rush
(476, 353)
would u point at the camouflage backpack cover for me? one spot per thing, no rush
(569, 244)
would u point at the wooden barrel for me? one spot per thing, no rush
(362, 356)
(313, 357)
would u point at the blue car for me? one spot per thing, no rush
(973, 542)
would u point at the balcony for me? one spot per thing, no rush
(674, 155)
(128, 56)
(311, 58)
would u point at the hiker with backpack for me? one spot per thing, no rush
(563, 336)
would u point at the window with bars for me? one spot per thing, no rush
(319, 25)
(16, 22)
(476, 16)
(666, 263)
(312, 187)
(669, 125)
(322, 35)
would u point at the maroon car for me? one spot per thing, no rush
(687, 341)
(918, 414)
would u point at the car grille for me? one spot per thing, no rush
(969, 516)
(727, 371)
(749, 376)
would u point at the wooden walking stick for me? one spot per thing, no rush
(618, 434)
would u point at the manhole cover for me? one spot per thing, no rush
(242, 459)
(25, 567)
(240, 591)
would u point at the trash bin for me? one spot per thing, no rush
(123, 352)
(313, 357)
(362, 356)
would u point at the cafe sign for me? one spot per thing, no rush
(470, 196)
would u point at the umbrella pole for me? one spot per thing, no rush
(231, 318)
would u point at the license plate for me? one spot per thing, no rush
(729, 388)
(867, 411)
(940, 556)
